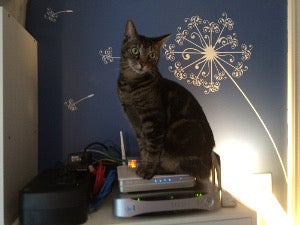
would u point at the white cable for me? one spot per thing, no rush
(122, 148)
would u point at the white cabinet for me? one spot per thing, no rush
(18, 113)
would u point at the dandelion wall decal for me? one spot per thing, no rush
(209, 53)
(52, 16)
(107, 56)
(72, 105)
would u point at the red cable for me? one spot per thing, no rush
(99, 178)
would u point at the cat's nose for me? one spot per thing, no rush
(140, 66)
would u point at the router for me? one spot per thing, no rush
(164, 193)
(129, 181)
(194, 198)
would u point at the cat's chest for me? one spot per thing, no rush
(143, 96)
(139, 89)
(130, 95)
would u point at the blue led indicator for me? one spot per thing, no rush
(180, 178)
(169, 179)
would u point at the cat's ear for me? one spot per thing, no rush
(130, 31)
(163, 39)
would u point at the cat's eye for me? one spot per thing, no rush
(152, 55)
(135, 51)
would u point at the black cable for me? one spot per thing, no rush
(95, 143)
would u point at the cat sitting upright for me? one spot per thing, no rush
(173, 133)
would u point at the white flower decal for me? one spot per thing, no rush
(207, 53)
(72, 105)
(106, 55)
(52, 16)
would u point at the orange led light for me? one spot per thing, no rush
(132, 163)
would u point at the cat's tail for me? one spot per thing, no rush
(216, 170)
(196, 166)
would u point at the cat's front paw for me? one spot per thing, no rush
(145, 173)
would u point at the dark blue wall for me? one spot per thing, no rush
(70, 67)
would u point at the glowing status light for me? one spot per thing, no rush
(132, 163)
(172, 197)
(138, 199)
(166, 179)
(197, 194)
(161, 180)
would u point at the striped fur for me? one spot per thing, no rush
(173, 133)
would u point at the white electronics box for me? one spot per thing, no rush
(129, 181)
(183, 199)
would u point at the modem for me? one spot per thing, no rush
(129, 181)
(194, 198)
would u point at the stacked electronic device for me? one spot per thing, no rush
(162, 193)
(55, 196)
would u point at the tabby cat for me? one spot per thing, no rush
(173, 133)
